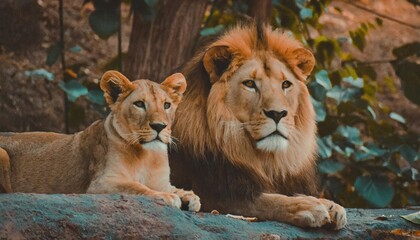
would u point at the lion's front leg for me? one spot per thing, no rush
(102, 186)
(188, 197)
(302, 211)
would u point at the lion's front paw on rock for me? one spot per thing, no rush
(168, 198)
(193, 201)
(311, 215)
(337, 213)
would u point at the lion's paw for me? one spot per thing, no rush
(313, 212)
(168, 198)
(193, 201)
(310, 214)
(337, 213)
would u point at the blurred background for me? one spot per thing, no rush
(365, 87)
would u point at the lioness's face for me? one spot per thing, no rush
(147, 113)
(143, 113)
(263, 97)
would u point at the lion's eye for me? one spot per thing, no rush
(286, 84)
(250, 84)
(139, 104)
(167, 105)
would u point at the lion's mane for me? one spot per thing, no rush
(208, 132)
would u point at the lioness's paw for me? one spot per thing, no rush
(193, 201)
(337, 213)
(168, 198)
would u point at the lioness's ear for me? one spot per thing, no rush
(175, 85)
(113, 83)
(302, 62)
(216, 60)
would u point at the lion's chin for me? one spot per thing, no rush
(155, 145)
(274, 143)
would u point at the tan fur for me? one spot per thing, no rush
(222, 126)
(123, 154)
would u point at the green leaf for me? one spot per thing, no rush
(322, 78)
(76, 48)
(317, 91)
(344, 94)
(146, 8)
(358, 38)
(408, 153)
(40, 73)
(73, 89)
(407, 50)
(373, 149)
(329, 166)
(409, 73)
(375, 189)
(104, 22)
(53, 54)
(361, 156)
(212, 30)
(105, 5)
(371, 112)
(96, 96)
(352, 134)
(358, 82)
(321, 112)
(305, 13)
(397, 117)
(325, 145)
(379, 21)
(334, 185)
(413, 217)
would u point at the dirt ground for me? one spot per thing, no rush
(29, 104)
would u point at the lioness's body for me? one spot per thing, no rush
(54, 163)
(126, 153)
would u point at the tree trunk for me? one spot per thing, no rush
(260, 9)
(157, 48)
(20, 25)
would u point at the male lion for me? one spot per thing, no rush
(247, 130)
(126, 153)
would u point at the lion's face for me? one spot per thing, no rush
(263, 95)
(143, 111)
(259, 85)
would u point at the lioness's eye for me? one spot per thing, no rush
(167, 105)
(250, 84)
(286, 84)
(139, 104)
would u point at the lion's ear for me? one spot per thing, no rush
(113, 83)
(216, 60)
(175, 85)
(302, 62)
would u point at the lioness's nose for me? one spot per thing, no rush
(157, 126)
(276, 116)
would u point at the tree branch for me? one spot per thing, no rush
(380, 14)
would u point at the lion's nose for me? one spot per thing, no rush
(157, 126)
(276, 116)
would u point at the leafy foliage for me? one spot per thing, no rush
(105, 20)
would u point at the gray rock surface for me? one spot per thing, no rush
(42, 216)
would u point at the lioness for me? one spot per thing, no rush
(126, 153)
(247, 130)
